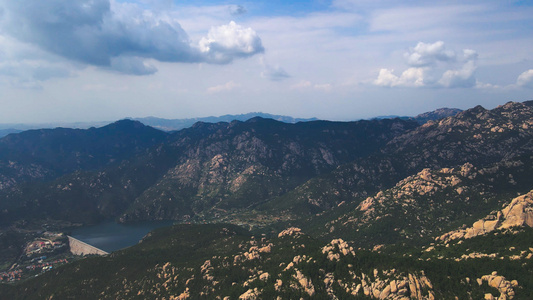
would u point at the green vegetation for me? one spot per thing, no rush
(388, 188)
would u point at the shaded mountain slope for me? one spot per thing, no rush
(48, 153)
(199, 170)
(86, 196)
(235, 165)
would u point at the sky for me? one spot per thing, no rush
(104, 60)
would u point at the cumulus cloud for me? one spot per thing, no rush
(525, 79)
(411, 77)
(460, 78)
(119, 36)
(429, 54)
(226, 42)
(228, 86)
(432, 65)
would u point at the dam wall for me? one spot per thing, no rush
(78, 247)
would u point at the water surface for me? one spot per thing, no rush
(111, 236)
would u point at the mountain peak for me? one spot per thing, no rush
(126, 123)
(437, 114)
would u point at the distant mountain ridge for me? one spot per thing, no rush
(439, 113)
(159, 123)
(178, 124)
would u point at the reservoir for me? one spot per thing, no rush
(111, 236)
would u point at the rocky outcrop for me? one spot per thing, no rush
(250, 294)
(419, 205)
(436, 115)
(505, 287)
(517, 213)
(291, 231)
(305, 283)
(336, 248)
(386, 285)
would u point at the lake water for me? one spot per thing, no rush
(111, 236)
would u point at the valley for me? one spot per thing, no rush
(432, 207)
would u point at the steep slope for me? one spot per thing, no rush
(436, 115)
(48, 153)
(86, 196)
(428, 204)
(477, 136)
(200, 170)
(232, 166)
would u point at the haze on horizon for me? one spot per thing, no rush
(101, 60)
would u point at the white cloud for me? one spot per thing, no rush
(469, 54)
(483, 85)
(223, 43)
(460, 78)
(120, 36)
(228, 86)
(429, 54)
(430, 62)
(525, 79)
(412, 77)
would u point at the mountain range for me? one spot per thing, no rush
(432, 207)
(178, 124)
(158, 123)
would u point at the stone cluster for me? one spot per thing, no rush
(517, 213)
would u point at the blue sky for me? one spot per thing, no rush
(103, 60)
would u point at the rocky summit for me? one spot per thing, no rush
(439, 207)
